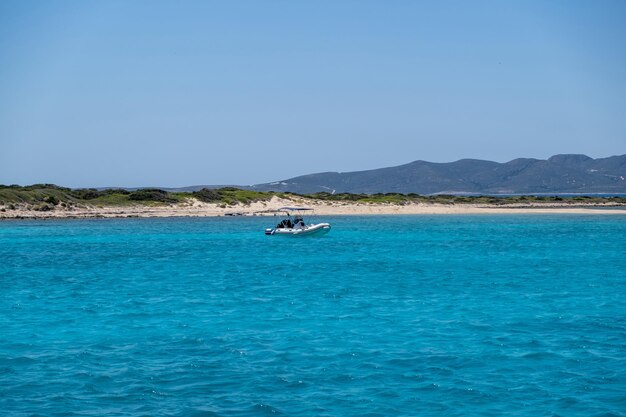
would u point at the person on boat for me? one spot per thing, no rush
(285, 224)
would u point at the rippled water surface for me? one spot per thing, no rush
(384, 316)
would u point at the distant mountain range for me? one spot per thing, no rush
(558, 174)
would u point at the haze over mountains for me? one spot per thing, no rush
(558, 174)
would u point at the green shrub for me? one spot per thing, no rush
(50, 199)
(85, 193)
(43, 207)
(208, 196)
(151, 194)
(110, 191)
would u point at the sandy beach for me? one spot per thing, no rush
(195, 208)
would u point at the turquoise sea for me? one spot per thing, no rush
(384, 316)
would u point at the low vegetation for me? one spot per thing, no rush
(45, 197)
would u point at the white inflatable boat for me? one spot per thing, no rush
(295, 226)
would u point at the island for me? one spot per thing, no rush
(47, 201)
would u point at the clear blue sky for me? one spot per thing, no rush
(156, 93)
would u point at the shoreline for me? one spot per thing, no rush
(196, 208)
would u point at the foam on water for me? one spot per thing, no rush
(415, 315)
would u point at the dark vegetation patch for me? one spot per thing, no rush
(151, 194)
(208, 196)
(230, 195)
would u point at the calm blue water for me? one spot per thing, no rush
(384, 316)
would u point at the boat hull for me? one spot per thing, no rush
(312, 230)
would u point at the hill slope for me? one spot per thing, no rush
(558, 174)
